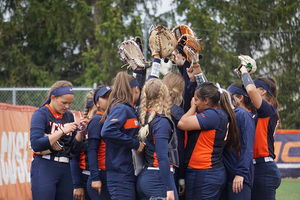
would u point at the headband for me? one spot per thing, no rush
(90, 104)
(134, 84)
(59, 92)
(259, 83)
(236, 90)
(102, 92)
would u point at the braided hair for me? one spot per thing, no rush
(153, 95)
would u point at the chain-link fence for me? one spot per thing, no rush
(37, 96)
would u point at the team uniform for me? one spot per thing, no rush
(205, 174)
(119, 133)
(240, 162)
(80, 166)
(176, 113)
(51, 174)
(96, 154)
(157, 176)
(266, 174)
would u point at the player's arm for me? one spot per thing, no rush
(251, 88)
(76, 145)
(155, 68)
(76, 171)
(189, 120)
(37, 132)
(161, 131)
(247, 128)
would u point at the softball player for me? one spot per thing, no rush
(53, 137)
(190, 82)
(79, 163)
(119, 132)
(212, 127)
(97, 186)
(175, 83)
(156, 179)
(238, 164)
(263, 93)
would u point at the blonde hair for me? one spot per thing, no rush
(175, 83)
(89, 97)
(153, 94)
(58, 84)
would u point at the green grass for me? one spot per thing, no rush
(289, 189)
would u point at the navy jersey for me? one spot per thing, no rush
(266, 125)
(46, 121)
(96, 146)
(79, 162)
(119, 132)
(160, 135)
(240, 162)
(205, 147)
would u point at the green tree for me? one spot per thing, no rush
(266, 30)
(76, 40)
(115, 21)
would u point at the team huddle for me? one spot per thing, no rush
(179, 137)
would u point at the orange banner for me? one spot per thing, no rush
(15, 157)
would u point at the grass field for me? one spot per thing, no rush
(289, 189)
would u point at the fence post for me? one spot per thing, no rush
(95, 85)
(14, 96)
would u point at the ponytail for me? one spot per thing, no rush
(88, 103)
(233, 141)
(121, 92)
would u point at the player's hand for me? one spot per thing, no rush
(141, 147)
(190, 73)
(81, 125)
(170, 195)
(178, 59)
(237, 184)
(243, 69)
(97, 185)
(181, 190)
(193, 102)
(69, 127)
(78, 193)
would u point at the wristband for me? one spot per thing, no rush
(61, 130)
(247, 79)
(155, 69)
(196, 65)
(181, 182)
(200, 78)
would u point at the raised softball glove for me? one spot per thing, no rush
(131, 53)
(180, 30)
(189, 47)
(248, 62)
(161, 42)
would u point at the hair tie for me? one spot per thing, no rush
(221, 90)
